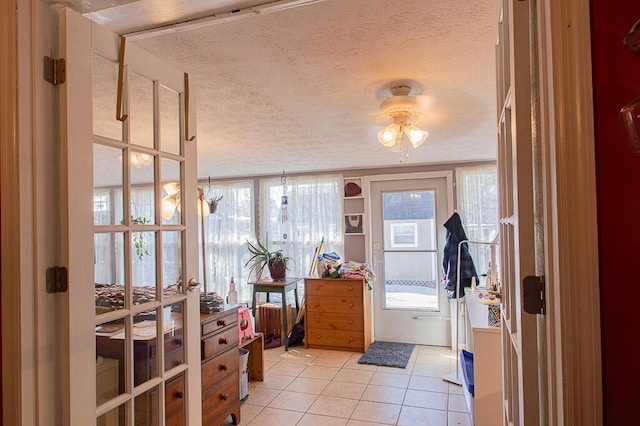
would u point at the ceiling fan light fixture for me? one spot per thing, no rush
(416, 136)
(388, 135)
(400, 107)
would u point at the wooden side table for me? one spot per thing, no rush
(281, 287)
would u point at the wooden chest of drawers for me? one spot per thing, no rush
(219, 352)
(338, 314)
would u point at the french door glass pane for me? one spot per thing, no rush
(173, 336)
(145, 359)
(113, 417)
(171, 263)
(169, 120)
(109, 272)
(410, 280)
(107, 182)
(141, 122)
(143, 200)
(146, 408)
(104, 76)
(110, 360)
(143, 266)
(171, 192)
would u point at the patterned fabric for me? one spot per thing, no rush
(456, 234)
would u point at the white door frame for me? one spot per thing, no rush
(572, 275)
(574, 352)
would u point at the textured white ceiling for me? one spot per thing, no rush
(300, 89)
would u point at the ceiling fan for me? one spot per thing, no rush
(401, 107)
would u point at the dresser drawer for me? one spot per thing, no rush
(334, 338)
(334, 322)
(337, 288)
(218, 324)
(174, 396)
(219, 399)
(219, 342)
(337, 304)
(216, 369)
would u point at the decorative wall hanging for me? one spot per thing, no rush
(284, 204)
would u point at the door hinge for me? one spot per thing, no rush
(57, 279)
(54, 70)
(533, 295)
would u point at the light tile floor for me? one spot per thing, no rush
(309, 387)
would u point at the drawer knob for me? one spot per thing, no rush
(350, 288)
(317, 320)
(221, 323)
(318, 305)
(351, 339)
(179, 394)
(350, 321)
(222, 340)
(223, 367)
(317, 287)
(351, 305)
(317, 336)
(223, 397)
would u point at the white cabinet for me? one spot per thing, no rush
(484, 342)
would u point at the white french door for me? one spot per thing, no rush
(129, 233)
(407, 240)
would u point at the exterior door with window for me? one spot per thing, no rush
(130, 233)
(407, 240)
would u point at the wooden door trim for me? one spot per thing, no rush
(571, 240)
(10, 216)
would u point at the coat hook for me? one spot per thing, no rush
(119, 115)
(186, 109)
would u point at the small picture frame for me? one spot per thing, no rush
(353, 224)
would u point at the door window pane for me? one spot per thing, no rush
(146, 408)
(145, 352)
(140, 110)
(172, 263)
(110, 360)
(169, 120)
(410, 250)
(113, 417)
(143, 266)
(410, 280)
(104, 81)
(143, 205)
(173, 336)
(171, 192)
(109, 272)
(107, 183)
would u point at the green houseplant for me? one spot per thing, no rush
(261, 257)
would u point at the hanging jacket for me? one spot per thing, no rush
(455, 234)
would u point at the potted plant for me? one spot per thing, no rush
(262, 257)
(213, 203)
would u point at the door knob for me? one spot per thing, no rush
(194, 284)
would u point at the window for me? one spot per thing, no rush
(404, 235)
(314, 213)
(226, 233)
(478, 208)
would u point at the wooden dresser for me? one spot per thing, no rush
(220, 359)
(338, 314)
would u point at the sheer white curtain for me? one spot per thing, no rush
(226, 232)
(314, 211)
(477, 192)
